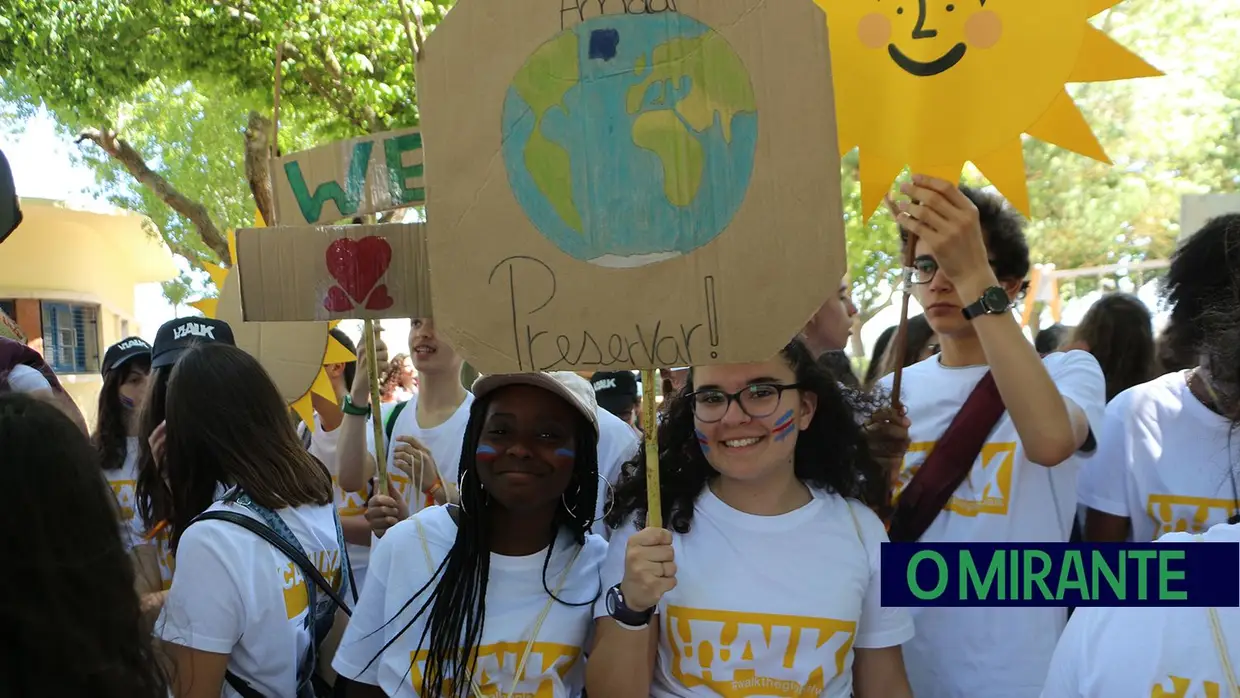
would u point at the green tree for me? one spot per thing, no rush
(172, 99)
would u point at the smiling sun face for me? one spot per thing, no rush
(933, 84)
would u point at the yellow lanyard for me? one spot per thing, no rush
(546, 610)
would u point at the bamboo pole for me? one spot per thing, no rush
(650, 422)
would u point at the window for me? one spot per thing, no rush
(71, 337)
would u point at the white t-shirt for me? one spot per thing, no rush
(1164, 460)
(1005, 499)
(323, 446)
(124, 482)
(444, 442)
(1138, 652)
(768, 601)
(618, 443)
(235, 594)
(515, 597)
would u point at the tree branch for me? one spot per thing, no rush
(258, 166)
(120, 150)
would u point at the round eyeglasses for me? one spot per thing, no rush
(758, 401)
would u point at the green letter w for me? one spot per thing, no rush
(347, 199)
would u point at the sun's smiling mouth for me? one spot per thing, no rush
(926, 69)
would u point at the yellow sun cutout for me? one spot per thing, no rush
(293, 353)
(933, 84)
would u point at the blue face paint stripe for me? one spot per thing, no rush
(702, 440)
(565, 453)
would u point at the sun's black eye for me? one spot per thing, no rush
(951, 8)
(899, 10)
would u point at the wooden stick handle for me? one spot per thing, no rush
(376, 414)
(901, 338)
(650, 425)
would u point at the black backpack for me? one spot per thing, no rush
(321, 614)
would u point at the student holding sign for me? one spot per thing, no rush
(995, 429)
(769, 575)
(492, 597)
(423, 434)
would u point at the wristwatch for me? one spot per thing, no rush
(349, 408)
(994, 301)
(624, 615)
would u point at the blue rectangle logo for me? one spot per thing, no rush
(1060, 574)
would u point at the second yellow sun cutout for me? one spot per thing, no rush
(933, 84)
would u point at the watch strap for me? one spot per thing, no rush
(982, 307)
(622, 614)
(349, 408)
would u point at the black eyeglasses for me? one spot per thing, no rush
(758, 401)
(924, 268)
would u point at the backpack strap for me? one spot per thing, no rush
(278, 535)
(307, 437)
(390, 424)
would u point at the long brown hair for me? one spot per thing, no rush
(113, 419)
(227, 423)
(1119, 332)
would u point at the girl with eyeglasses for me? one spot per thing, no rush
(768, 580)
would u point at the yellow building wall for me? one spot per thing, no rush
(59, 254)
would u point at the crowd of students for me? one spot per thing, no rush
(200, 543)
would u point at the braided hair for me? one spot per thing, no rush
(455, 609)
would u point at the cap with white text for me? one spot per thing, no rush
(175, 336)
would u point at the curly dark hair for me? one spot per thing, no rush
(1203, 272)
(832, 454)
(1004, 230)
(69, 589)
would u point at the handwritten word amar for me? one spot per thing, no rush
(531, 287)
(574, 12)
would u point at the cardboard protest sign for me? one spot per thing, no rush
(334, 272)
(293, 353)
(934, 85)
(629, 185)
(10, 329)
(357, 177)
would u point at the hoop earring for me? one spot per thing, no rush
(460, 493)
(611, 501)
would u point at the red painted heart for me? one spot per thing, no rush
(379, 299)
(357, 265)
(337, 300)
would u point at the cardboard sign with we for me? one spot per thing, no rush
(333, 272)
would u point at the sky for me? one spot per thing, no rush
(43, 168)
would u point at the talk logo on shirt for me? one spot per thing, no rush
(296, 596)
(739, 654)
(124, 492)
(987, 489)
(1176, 513)
(167, 561)
(545, 668)
(1185, 688)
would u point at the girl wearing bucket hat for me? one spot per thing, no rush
(492, 596)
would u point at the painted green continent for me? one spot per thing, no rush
(664, 134)
(548, 75)
(718, 81)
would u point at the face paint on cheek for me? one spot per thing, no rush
(486, 454)
(784, 427)
(565, 453)
(702, 441)
(126, 402)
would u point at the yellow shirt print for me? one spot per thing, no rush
(1185, 688)
(296, 596)
(348, 503)
(986, 490)
(547, 665)
(124, 491)
(1171, 512)
(737, 654)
